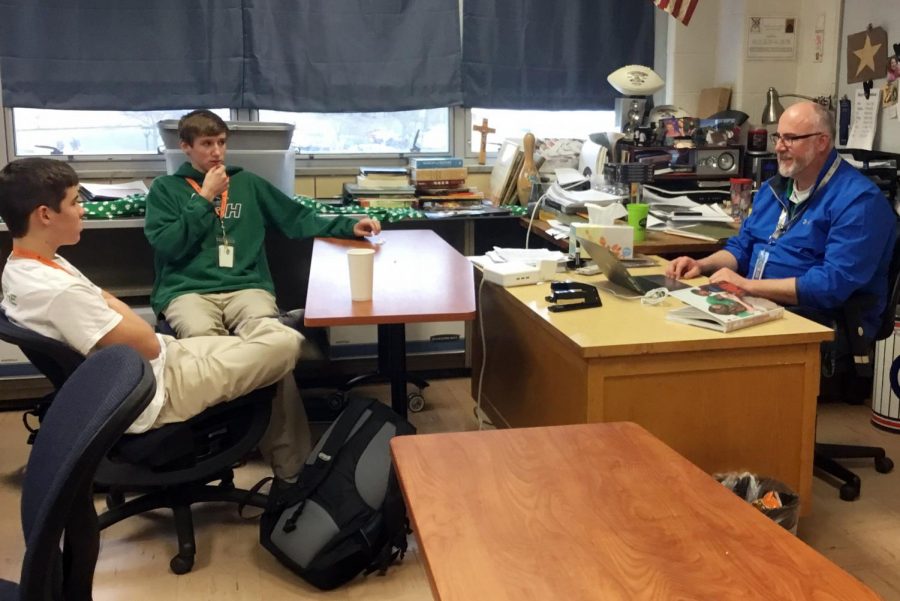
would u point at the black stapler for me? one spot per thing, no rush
(569, 296)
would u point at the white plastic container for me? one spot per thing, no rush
(242, 135)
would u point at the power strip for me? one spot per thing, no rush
(512, 274)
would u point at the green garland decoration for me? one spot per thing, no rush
(136, 206)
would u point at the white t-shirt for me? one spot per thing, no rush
(798, 196)
(64, 305)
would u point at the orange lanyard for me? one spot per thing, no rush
(221, 210)
(27, 254)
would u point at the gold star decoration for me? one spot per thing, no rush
(866, 55)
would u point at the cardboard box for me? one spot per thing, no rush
(13, 362)
(617, 238)
(428, 337)
(713, 100)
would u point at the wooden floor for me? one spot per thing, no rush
(863, 537)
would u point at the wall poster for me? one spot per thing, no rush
(772, 38)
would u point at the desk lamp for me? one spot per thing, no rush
(773, 109)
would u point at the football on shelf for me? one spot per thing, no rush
(635, 80)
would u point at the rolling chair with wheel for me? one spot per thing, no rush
(90, 413)
(169, 467)
(862, 348)
(308, 375)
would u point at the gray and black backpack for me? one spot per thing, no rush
(346, 513)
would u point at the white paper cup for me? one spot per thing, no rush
(361, 262)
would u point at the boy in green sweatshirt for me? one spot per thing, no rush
(207, 225)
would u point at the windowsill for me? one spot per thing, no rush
(121, 170)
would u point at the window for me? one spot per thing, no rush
(425, 130)
(43, 131)
(543, 124)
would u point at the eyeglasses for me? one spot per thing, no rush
(789, 139)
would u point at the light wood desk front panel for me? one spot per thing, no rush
(744, 400)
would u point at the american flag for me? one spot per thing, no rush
(680, 9)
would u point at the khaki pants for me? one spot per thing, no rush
(203, 371)
(218, 313)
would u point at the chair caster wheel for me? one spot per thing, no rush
(883, 465)
(181, 565)
(336, 401)
(415, 402)
(849, 491)
(114, 499)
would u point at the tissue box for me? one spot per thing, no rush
(617, 238)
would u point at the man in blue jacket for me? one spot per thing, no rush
(819, 230)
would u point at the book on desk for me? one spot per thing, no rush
(723, 307)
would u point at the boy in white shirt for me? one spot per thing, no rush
(43, 292)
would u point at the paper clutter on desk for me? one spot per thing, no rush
(619, 239)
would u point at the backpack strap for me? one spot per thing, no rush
(396, 524)
(315, 473)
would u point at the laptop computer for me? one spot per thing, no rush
(618, 274)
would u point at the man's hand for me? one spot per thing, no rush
(727, 275)
(367, 227)
(215, 183)
(683, 268)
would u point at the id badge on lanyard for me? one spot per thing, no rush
(760, 267)
(226, 255)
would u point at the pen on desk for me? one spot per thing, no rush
(687, 214)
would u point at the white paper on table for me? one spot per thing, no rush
(558, 229)
(864, 120)
(651, 197)
(525, 255)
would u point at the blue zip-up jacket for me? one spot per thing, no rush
(839, 240)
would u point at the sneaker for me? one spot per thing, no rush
(292, 319)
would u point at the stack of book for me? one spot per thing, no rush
(382, 187)
(440, 184)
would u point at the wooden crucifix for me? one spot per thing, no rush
(484, 130)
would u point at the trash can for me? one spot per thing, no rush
(772, 497)
(885, 384)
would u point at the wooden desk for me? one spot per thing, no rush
(418, 277)
(597, 511)
(743, 400)
(655, 243)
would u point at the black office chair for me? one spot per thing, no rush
(862, 351)
(90, 413)
(173, 466)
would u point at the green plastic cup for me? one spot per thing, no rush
(637, 218)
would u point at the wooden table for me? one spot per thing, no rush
(655, 243)
(743, 400)
(596, 511)
(417, 277)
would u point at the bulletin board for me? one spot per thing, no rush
(858, 15)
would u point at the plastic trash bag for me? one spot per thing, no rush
(772, 497)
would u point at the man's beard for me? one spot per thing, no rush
(799, 163)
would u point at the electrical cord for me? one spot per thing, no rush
(539, 202)
(533, 213)
(477, 409)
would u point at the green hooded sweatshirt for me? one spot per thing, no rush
(184, 231)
